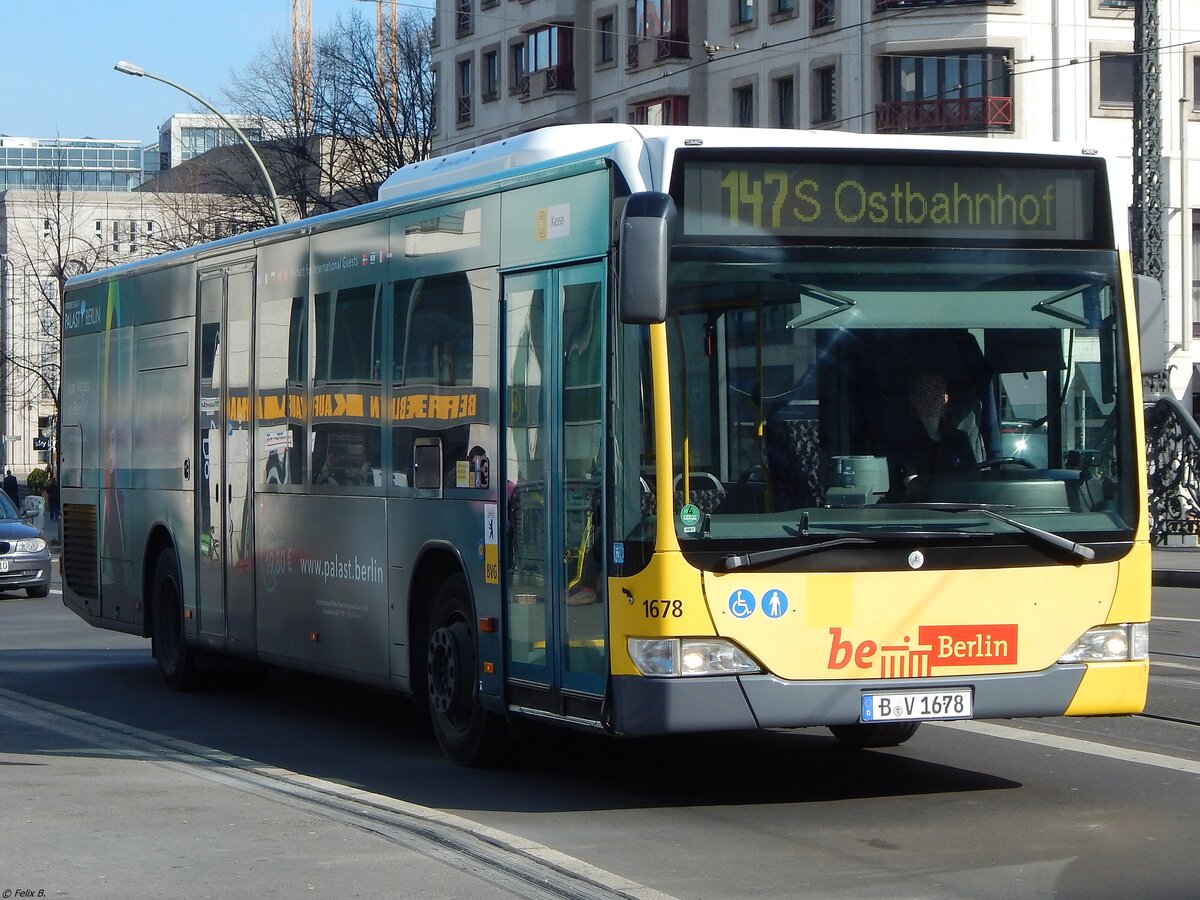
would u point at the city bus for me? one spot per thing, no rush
(642, 430)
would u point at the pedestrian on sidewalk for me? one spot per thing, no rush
(52, 500)
(12, 488)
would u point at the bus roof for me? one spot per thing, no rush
(642, 153)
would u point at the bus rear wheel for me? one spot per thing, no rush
(467, 734)
(177, 662)
(888, 734)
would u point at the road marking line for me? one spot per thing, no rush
(460, 836)
(1077, 745)
(1173, 619)
(1170, 665)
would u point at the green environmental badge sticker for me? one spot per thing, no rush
(690, 517)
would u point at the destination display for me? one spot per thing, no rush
(893, 201)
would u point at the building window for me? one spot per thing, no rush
(963, 91)
(606, 39)
(1111, 8)
(646, 18)
(1116, 79)
(743, 12)
(785, 7)
(1196, 84)
(435, 98)
(824, 13)
(743, 106)
(785, 102)
(673, 41)
(518, 78)
(1196, 273)
(464, 22)
(549, 50)
(465, 77)
(824, 95)
(542, 48)
(490, 72)
(663, 111)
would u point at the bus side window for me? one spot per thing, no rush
(346, 387)
(432, 350)
(282, 373)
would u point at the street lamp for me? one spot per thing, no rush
(129, 68)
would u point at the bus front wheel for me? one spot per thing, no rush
(467, 734)
(176, 660)
(888, 734)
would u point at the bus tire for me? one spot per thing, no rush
(177, 662)
(467, 734)
(887, 734)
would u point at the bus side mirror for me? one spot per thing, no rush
(645, 247)
(1152, 323)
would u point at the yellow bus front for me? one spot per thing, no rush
(880, 471)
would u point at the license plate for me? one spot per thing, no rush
(896, 706)
(3, 565)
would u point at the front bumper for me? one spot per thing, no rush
(25, 570)
(647, 706)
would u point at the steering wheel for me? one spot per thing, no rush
(1004, 461)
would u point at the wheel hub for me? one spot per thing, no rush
(449, 682)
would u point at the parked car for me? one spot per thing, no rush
(24, 556)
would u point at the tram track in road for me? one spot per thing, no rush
(521, 867)
(1175, 719)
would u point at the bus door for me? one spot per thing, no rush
(553, 375)
(224, 528)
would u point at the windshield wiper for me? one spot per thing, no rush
(1082, 551)
(758, 558)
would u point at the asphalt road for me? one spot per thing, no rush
(112, 786)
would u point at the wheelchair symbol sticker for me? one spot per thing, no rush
(741, 604)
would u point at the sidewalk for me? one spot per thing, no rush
(1176, 567)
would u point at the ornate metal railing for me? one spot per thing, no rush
(991, 113)
(1173, 470)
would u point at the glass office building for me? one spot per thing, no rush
(185, 136)
(80, 164)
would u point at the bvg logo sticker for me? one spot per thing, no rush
(937, 647)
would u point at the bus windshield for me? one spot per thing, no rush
(818, 391)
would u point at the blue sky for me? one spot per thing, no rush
(56, 66)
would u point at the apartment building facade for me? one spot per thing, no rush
(1048, 70)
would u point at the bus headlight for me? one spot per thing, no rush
(675, 657)
(1111, 643)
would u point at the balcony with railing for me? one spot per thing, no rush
(944, 114)
(674, 45)
(553, 79)
(885, 5)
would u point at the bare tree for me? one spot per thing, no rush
(55, 231)
(197, 205)
(51, 235)
(46, 241)
(367, 120)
